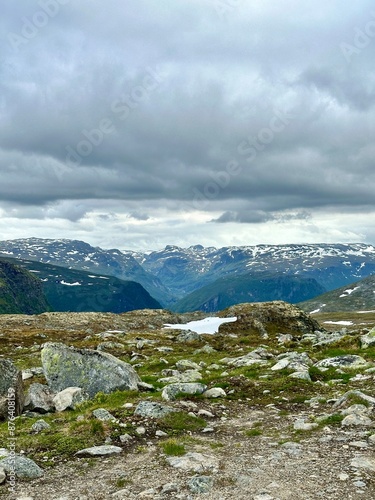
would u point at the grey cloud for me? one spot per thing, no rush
(163, 95)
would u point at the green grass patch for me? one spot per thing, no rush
(172, 447)
(181, 422)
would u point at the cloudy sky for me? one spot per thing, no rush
(140, 123)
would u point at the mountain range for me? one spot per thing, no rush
(209, 278)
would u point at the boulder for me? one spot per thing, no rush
(39, 398)
(154, 410)
(12, 396)
(93, 371)
(99, 451)
(69, 398)
(368, 340)
(345, 361)
(171, 391)
(261, 317)
(23, 467)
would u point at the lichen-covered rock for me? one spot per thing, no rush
(368, 340)
(345, 361)
(91, 370)
(23, 467)
(12, 396)
(39, 398)
(268, 316)
(153, 410)
(171, 391)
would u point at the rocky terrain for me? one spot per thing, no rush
(276, 405)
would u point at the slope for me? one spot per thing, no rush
(79, 255)
(355, 297)
(20, 291)
(75, 291)
(250, 287)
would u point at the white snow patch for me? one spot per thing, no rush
(208, 325)
(62, 282)
(315, 311)
(344, 323)
(349, 291)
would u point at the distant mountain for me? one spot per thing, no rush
(184, 270)
(171, 274)
(74, 254)
(78, 291)
(236, 289)
(359, 296)
(20, 291)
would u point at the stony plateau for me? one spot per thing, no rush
(283, 408)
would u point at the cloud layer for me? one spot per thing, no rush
(210, 121)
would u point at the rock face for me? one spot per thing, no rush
(11, 389)
(273, 318)
(91, 370)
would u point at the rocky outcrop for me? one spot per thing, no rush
(91, 370)
(269, 319)
(11, 390)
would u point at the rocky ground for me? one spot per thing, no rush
(294, 420)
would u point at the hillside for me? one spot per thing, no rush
(20, 291)
(74, 254)
(250, 287)
(71, 290)
(359, 296)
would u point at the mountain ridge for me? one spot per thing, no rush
(172, 273)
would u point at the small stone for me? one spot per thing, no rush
(356, 420)
(301, 425)
(343, 476)
(141, 431)
(205, 413)
(3, 476)
(103, 415)
(359, 484)
(363, 462)
(69, 398)
(372, 439)
(359, 444)
(171, 391)
(40, 425)
(99, 451)
(200, 484)
(160, 433)
(128, 405)
(169, 488)
(215, 392)
(196, 462)
(153, 410)
(126, 438)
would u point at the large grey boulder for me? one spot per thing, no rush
(91, 370)
(12, 396)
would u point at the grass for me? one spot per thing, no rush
(334, 419)
(253, 432)
(173, 448)
(177, 422)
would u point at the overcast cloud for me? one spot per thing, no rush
(223, 122)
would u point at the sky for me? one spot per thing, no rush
(139, 124)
